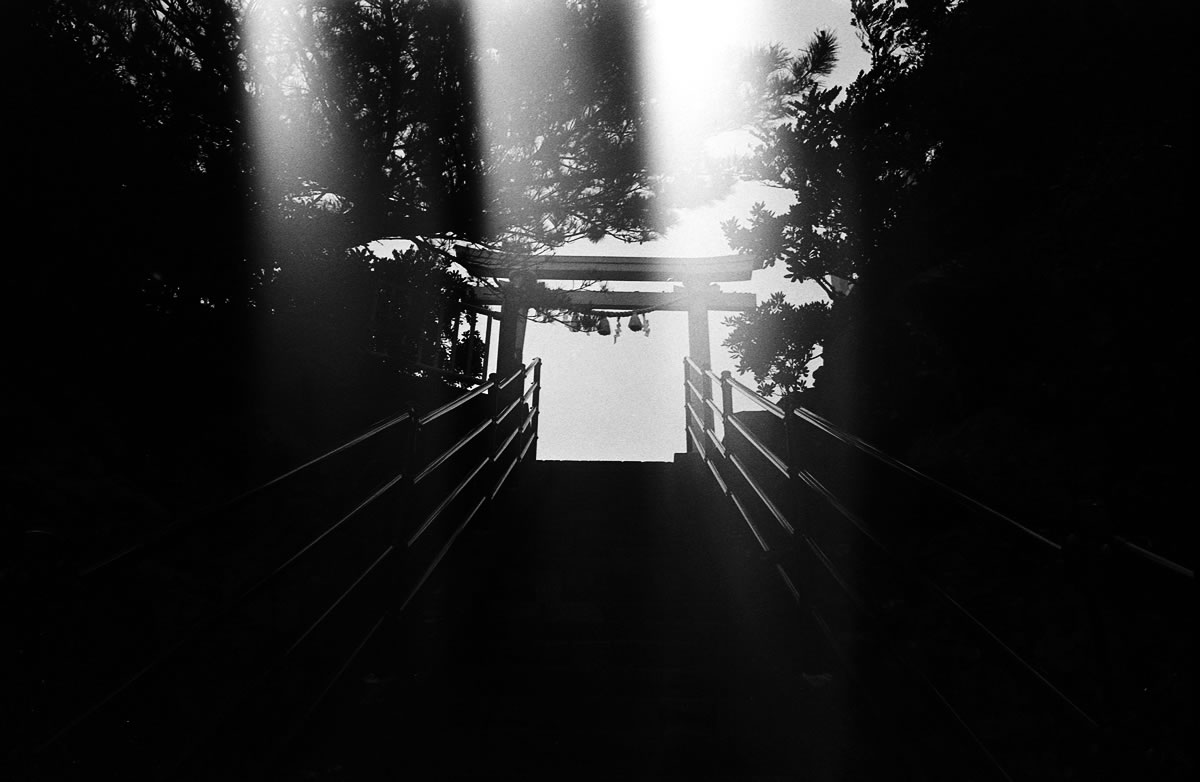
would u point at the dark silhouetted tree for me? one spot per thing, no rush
(202, 147)
(778, 342)
(1005, 189)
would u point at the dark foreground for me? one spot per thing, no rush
(600, 625)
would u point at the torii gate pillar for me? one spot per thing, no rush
(510, 344)
(697, 309)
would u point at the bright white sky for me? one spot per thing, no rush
(623, 400)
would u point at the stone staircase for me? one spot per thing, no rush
(609, 619)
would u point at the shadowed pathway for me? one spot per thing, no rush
(611, 618)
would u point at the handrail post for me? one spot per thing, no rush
(726, 412)
(687, 430)
(536, 403)
(726, 397)
(707, 390)
(494, 393)
(492, 471)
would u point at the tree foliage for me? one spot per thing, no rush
(564, 125)
(1002, 192)
(1003, 196)
(199, 147)
(983, 168)
(421, 305)
(799, 149)
(778, 342)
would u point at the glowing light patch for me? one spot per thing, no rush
(688, 56)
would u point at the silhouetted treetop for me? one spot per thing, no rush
(1002, 186)
(245, 135)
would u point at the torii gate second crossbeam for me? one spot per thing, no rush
(698, 295)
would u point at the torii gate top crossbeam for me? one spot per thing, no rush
(723, 268)
(678, 301)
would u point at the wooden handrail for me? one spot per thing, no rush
(1157, 559)
(862, 445)
(445, 456)
(183, 524)
(502, 384)
(190, 634)
(775, 461)
(699, 432)
(712, 438)
(515, 460)
(762, 495)
(507, 442)
(769, 406)
(511, 406)
(454, 404)
(445, 503)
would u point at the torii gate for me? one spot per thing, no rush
(698, 295)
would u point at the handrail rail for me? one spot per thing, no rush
(762, 495)
(508, 409)
(826, 426)
(878, 454)
(712, 438)
(857, 442)
(453, 449)
(699, 431)
(191, 633)
(455, 403)
(697, 418)
(1157, 559)
(533, 412)
(219, 613)
(517, 373)
(767, 453)
(507, 442)
(182, 524)
(423, 527)
(445, 503)
(387, 424)
(813, 483)
(765, 404)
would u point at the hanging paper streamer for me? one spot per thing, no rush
(646, 325)
(635, 322)
(617, 331)
(573, 324)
